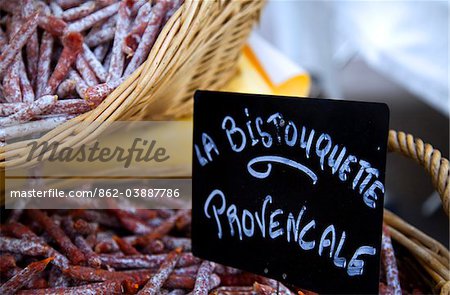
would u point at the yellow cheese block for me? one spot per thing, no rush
(251, 78)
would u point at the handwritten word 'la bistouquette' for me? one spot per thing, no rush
(276, 130)
(276, 224)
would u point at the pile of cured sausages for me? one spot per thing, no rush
(112, 252)
(61, 58)
(129, 251)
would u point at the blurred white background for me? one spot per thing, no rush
(389, 51)
(407, 41)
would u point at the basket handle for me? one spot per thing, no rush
(428, 157)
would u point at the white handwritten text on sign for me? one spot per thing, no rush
(259, 144)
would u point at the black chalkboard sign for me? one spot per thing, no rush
(290, 188)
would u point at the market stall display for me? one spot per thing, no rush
(106, 73)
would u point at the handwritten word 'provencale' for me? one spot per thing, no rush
(274, 223)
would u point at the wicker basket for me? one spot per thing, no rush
(430, 254)
(197, 49)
